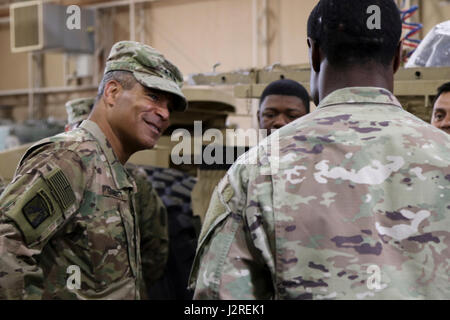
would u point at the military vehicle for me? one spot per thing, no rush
(414, 87)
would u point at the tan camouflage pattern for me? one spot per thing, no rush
(153, 226)
(149, 207)
(98, 232)
(149, 67)
(79, 109)
(358, 209)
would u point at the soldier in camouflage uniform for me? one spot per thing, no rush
(70, 204)
(349, 202)
(281, 102)
(150, 210)
(77, 111)
(441, 108)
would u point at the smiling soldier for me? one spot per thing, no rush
(70, 202)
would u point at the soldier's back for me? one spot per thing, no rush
(362, 209)
(357, 207)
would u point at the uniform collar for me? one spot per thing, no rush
(359, 95)
(119, 173)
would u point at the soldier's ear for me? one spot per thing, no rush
(111, 92)
(314, 54)
(398, 56)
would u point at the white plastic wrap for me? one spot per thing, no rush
(434, 50)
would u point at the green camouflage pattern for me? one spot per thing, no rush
(149, 67)
(153, 226)
(359, 208)
(86, 218)
(79, 109)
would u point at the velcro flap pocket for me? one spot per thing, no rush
(127, 221)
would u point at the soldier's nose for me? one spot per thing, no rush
(279, 122)
(446, 122)
(277, 126)
(163, 113)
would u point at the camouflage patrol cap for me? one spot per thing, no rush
(149, 68)
(79, 109)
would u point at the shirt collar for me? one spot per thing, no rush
(360, 95)
(119, 173)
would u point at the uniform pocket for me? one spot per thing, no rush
(108, 241)
(131, 236)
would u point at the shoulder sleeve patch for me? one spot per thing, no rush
(38, 212)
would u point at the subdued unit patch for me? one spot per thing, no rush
(37, 210)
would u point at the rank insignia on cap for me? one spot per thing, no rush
(37, 210)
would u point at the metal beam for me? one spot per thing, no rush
(401, 88)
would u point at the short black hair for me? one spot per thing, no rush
(287, 87)
(442, 89)
(340, 28)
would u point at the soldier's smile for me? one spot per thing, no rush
(155, 129)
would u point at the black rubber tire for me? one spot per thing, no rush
(174, 188)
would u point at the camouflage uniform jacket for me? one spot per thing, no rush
(2, 185)
(70, 204)
(153, 226)
(354, 203)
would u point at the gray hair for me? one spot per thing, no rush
(125, 78)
